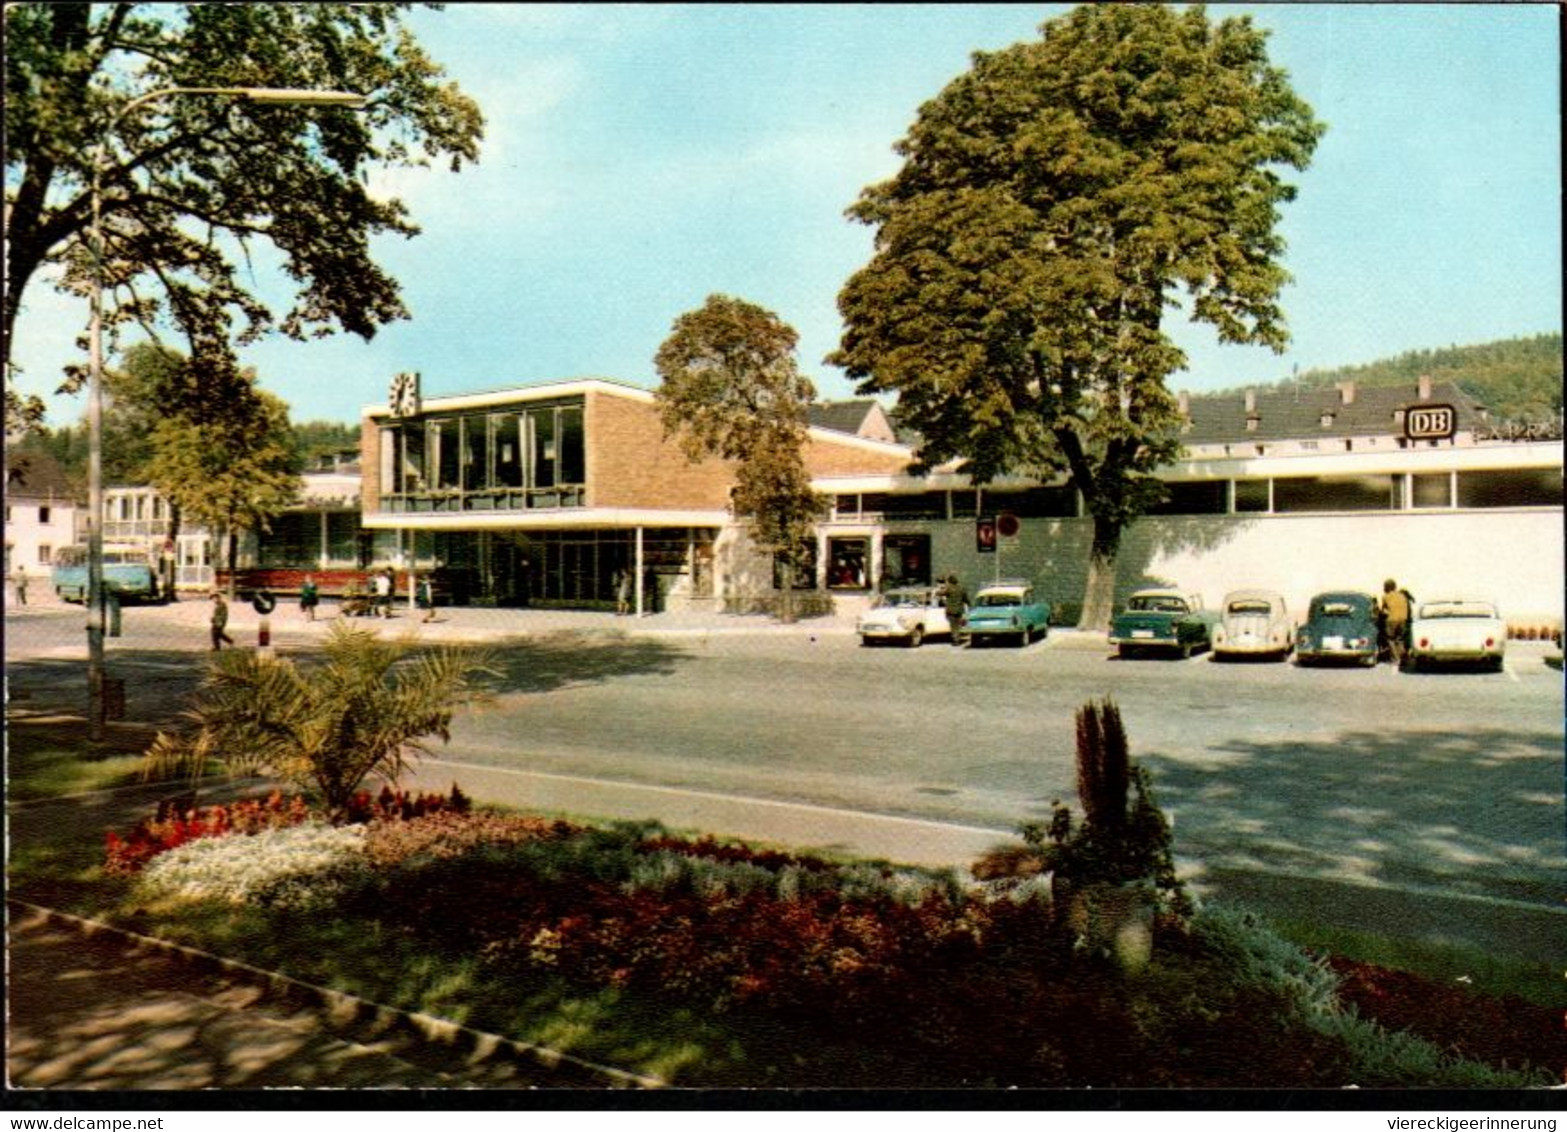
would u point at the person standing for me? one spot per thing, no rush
(425, 597)
(955, 598)
(220, 622)
(383, 593)
(21, 584)
(1395, 610)
(622, 592)
(309, 597)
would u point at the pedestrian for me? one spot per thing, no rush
(309, 597)
(955, 598)
(425, 597)
(622, 592)
(21, 584)
(1395, 609)
(220, 622)
(383, 593)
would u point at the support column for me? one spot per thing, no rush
(640, 584)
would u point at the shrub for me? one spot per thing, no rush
(446, 834)
(303, 867)
(366, 707)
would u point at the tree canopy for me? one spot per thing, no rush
(190, 184)
(1054, 204)
(731, 388)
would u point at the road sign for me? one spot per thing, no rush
(985, 536)
(1007, 525)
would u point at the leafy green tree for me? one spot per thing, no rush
(365, 707)
(730, 387)
(191, 181)
(234, 474)
(1054, 203)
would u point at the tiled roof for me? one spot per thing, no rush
(840, 416)
(36, 475)
(1300, 413)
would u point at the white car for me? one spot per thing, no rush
(1253, 623)
(1456, 629)
(908, 614)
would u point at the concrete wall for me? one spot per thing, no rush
(1512, 556)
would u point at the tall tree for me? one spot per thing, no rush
(190, 184)
(730, 388)
(231, 475)
(1054, 203)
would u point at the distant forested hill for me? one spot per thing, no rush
(1518, 379)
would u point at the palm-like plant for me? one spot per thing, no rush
(366, 707)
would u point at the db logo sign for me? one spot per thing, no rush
(1430, 422)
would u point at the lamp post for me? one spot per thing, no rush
(275, 96)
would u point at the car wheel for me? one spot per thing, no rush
(1497, 664)
(917, 637)
(1186, 650)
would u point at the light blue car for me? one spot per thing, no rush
(1007, 610)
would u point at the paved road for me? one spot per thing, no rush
(1373, 798)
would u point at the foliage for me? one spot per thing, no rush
(730, 387)
(307, 866)
(365, 707)
(233, 471)
(188, 179)
(1052, 202)
(1120, 841)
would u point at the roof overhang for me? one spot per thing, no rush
(574, 518)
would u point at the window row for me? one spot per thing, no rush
(538, 449)
(1527, 487)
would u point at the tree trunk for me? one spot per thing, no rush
(233, 557)
(786, 603)
(1099, 594)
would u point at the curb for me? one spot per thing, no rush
(341, 1009)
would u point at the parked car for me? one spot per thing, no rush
(1341, 625)
(1007, 609)
(1253, 623)
(908, 614)
(1449, 630)
(1163, 620)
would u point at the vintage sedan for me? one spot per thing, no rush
(1341, 625)
(1454, 630)
(1253, 623)
(1007, 609)
(907, 614)
(1163, 620)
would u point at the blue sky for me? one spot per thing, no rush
(639, 158)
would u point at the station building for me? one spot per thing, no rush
(540, 494)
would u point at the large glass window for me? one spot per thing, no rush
(1036, 502)
(906, 560)
(1334, 493)
(505, 439)
(541, 456)
(572, 458)
(475, 453)
(342, 536)
(1431, 490)
(446, 449)
(1522, 487)
(906, 505)
(848, 563)
(1209, 498)
(413, 470)
(1251, 496)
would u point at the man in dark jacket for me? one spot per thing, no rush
(220, 622)
(955, 597)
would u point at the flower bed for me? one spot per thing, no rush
(960, 983)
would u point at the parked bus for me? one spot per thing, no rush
(128, 571)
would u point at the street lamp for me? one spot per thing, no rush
(270, 96)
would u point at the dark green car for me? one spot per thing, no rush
(1162, 620)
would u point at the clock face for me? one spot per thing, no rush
(404, 394)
